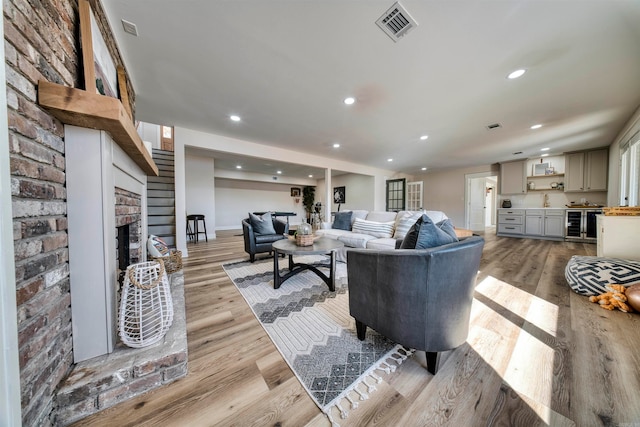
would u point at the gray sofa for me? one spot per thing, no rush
(420, 298)
(352, 239)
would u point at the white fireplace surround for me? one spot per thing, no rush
(95, 166)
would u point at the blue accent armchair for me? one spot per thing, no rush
(420, 298)
(260, 243)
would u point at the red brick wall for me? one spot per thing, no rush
(41, 43)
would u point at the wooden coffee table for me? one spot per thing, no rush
(322, 246)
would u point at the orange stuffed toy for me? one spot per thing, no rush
(615, 298)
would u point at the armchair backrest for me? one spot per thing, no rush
(418, 298)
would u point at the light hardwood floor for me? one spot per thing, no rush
(537, 354)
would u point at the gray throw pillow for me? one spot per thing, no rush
(262, 224)
(425, 234)
(342, 221)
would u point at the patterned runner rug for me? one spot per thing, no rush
(312, 329)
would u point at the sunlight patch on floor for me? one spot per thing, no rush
(532, 322)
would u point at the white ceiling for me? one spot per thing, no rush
(286, 66)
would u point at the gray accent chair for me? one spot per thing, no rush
(419, 298)
(259, 243)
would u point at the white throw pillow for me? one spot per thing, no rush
(404, 223)
(156, 246)
(372, 228)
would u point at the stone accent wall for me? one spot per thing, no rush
(41, 43)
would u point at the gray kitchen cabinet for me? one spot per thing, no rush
(586, 171)
(513, 177)
(510, 221)
(533, 224)
(554, 223)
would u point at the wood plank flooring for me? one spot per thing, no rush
(537, 354)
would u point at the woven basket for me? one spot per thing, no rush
(146, 307)
(622, 211)
(304, 239)
(172, 262)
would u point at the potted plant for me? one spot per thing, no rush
(308, 199)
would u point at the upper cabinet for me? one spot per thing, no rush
(513, 177)
(586, 171)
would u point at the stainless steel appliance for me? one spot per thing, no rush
(581, 225)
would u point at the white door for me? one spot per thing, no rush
(414, 196)
(476, 204)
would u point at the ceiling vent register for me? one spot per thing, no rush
(396, 22)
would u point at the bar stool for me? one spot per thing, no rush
(194, 232)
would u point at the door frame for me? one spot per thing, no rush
(467, 186)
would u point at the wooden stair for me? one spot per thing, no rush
(161, 207)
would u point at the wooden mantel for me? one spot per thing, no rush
(90, 110)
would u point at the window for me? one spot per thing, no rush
(630, 172)
(395, 195)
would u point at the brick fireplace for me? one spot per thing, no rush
(106, 209)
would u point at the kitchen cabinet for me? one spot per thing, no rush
(513, 177)
(618, 237)
(535, 223)
(510, 221)
(586, 171)
(554, 223)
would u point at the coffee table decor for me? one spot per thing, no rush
(312, 329)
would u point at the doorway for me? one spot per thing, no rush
(480, 200)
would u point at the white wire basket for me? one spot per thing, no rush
(146, 308)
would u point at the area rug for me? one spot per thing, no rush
(312, 329)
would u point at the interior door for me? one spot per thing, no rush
(477, 197)
(414, 196)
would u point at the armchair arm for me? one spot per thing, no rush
(249, 237)
(280, 226)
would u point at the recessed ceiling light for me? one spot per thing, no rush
(238, 167)
(336, 145)
(234, 118)
(544, 149)
(350, 100)
(279, 172)
(517, 73)
(423, 169)
(544, 155)
(424, 137)
(536, 126)
(389, 160)
(310, 176)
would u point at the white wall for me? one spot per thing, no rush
(235, 199)
(359, 192)
(444, 190)
(200, 192)
(150, 132)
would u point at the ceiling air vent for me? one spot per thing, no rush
(494, 126)
(396, 22)
(129, 27)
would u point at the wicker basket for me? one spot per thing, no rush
(146, 307)
(172, 262)
(304, 239)
(622, 211)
